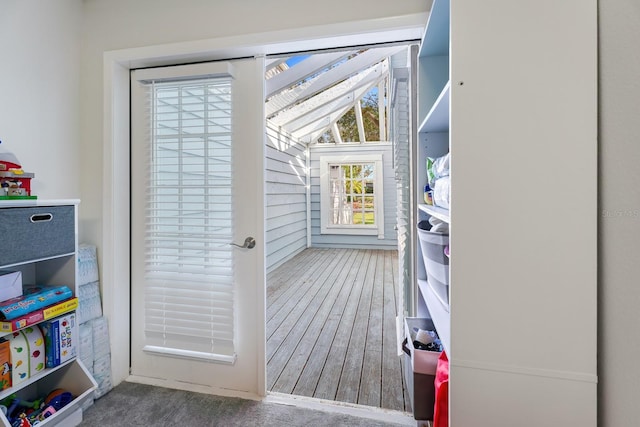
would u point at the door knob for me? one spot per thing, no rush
(249, 243)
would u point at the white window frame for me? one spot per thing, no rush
(353, 229)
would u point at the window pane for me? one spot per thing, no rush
(352, 194)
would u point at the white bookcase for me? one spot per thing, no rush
(41, 241)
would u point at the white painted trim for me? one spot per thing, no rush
(307, 153)
(116, 208)
(192, 71)
(115, 203)
(197, 388)
(397, 28)
(351, 409)
(354, 230)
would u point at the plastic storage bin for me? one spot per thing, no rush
(436, 263)
(420, 370)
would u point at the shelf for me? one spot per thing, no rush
(435, 40)
(435, 211)
(37, 202)
(71, 376)
(439, 314)
(6, 392)
(437, 119)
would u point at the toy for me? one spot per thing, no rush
(8, 161)
(23, 421)
(14, 182)
(21, 413)
(58, 398)
(22, 417)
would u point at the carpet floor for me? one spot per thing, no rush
(132, 404)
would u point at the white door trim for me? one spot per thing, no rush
(116, 207)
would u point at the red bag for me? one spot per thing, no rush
(441, 382)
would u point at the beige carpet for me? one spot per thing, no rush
(131, 404)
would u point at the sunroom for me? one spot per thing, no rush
(337, 205)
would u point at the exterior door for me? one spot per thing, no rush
(197, 188)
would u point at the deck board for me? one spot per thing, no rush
(391, 363)
(310, 375)
(330, 377)
(370, 380)
(315, 320)
(301, 308)
(331, 328)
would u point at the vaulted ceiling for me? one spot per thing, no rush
(307, 94)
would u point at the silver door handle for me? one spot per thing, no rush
(249, 243)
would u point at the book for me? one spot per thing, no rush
(34, 297)
(39, 315)
(60, 336)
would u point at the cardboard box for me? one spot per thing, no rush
(5, 364)
(10, 284)
(27, 354)
(60, 336)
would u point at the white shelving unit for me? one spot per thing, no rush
(434, 93)
(436, 211)
(43, 237)
(521, 317)
(437, 119)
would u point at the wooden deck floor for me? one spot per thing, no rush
(331, 328)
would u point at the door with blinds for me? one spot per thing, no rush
(197, 224)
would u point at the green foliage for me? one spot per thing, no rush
(349, 128)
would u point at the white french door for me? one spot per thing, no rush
(197, 301)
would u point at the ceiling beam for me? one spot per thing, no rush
(372, 74)
(336, 133)
(312, 87)
(341, 102)
(359, 121)
(382, 109)
(302, 70)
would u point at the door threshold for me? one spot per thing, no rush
(352, 409)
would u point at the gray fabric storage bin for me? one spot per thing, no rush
(36, 232)
(436, 263)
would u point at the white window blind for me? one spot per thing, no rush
(189, 290)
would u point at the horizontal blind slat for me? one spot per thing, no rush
(188, 260)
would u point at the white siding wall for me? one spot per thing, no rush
(286, 198)
(346, 241)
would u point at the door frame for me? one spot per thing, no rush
(115, 256)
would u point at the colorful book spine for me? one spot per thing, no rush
(33, 298)
(39, 315)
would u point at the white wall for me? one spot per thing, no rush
(619, 223)
(39, 92)
(121, 24)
